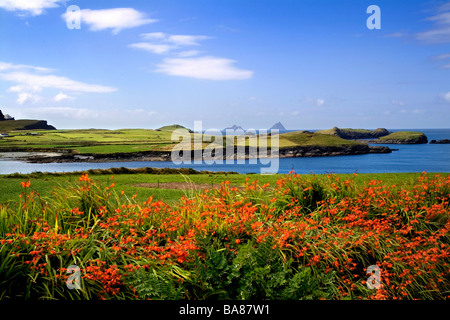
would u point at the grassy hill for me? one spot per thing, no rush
(304, 138)
(349, 133)
(95, 141)
(172, 127)
(403, 137)
(12, 125)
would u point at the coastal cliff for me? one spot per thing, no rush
(403, 137)
(353, 134)
(443, 141)
(319, 151)
(291, 152)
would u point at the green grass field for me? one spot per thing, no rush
(98, 141)
(285, 237)
(6, 126)
(44, 184)
(402, 135)
(90, 141)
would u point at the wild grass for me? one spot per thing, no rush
(296, 238)
(313, 139)
(402, 135)
(99, 141)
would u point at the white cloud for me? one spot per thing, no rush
(63, 112)
(441, 31)
(71, 113)
(186, 64)
(446, 96)
(155, 48)
(185, 40)
(37, 82)
(317, 102)
(153, 35)
(61, 96)
(320, 102)
(188, 53)
(441, 56)
(116, 19)
(413, 111)
(32, 7)
(208, 67)
(29, 80)
(5, 66)
(163, 43)
(176, 39)
(24, 97)
(397, 103)
(396, 35)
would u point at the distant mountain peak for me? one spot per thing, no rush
(234, 127)
(278, 126)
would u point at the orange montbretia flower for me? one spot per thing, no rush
(332, 225)
(25, 184)
(85, 177)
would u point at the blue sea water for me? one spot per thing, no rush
(409, 158)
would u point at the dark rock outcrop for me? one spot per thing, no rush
(5, 117)
(306, 151)
(312, 151)
(39, 125)
(443, 141)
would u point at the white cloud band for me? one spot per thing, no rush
(208, 67)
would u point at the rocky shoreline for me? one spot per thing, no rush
(443, 141)
(331, 151)
(300, 151)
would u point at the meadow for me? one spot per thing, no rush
(99, 141)
(277, 237)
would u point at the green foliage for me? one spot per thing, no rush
(310, 237)
(301, 138)
(6, 126)
(155, 284)
(256, 271)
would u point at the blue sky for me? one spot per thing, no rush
(309, 64)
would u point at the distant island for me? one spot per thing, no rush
(101, 145)
(348, 133)
(8, 123)
(234, 127)
(173, 127)
(443, 141)
(377, 136)
(278, 126)
(402, 137)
